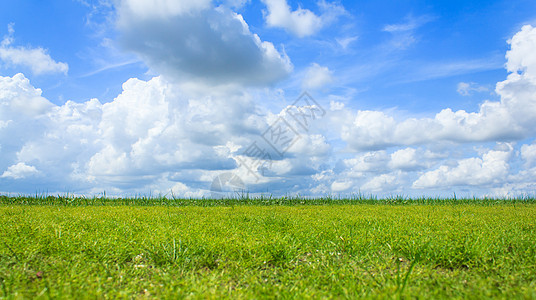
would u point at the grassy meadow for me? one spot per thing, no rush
(61, 247)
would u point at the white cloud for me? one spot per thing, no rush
(511, 118)
(528, 153)
(300, 22)
(161, 136)
(162, 8)
(152, 125)
(312, 145)
(467, 88)
(521, 57)
(341, 186)
(182, 190)
(371, 162)
(442, 69)
(408, 159)
(36, 59)
(22, 111)
(346, 41)
(150, 130)
(199, 43)
(335, 105)
(369, 130)
(384, 182)
(237, 4)
(411, 24)
(18, 96)
(403, 33)
(475, 171)
(19, 171)
(316, 77)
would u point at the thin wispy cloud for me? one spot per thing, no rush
(110, 67)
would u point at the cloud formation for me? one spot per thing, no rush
(404, 33)
(509, 119)
(476, 171)
(170, 133)
(300, 22)
(35, 59)
(19, 170)
(148, 133)
(194, 41)
(468, 88)
(316, 77)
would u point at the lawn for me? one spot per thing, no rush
(375, 249)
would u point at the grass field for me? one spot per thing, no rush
(126, 248)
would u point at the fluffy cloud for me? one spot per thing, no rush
(19, 170)
(528, 153)
(151, 125)
(408, 159)
(381, 183)
(193, 41)
(365, 164)
(521, 57)
(300, 22)
(161, 136)
(341, 186)
(316, 77)
(22, 111)
(19, 96)
(511, 118)
(36, 59)
(146, 134)
(476, 171)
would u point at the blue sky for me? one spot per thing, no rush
(417, 97)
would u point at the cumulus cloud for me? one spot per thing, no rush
(476, 171)
(193, 41)
(528, 154)
(300, 22)
(380, 183)
(22, 111)
(36, 59)
(370, 162)
(160, 136)
(147, 133)
(316, 77)
(521, 56)
(302, 152)
(408, 159)
(341, 186)
(153, 128)
(19, 170)
(511, 118)
(18, 96)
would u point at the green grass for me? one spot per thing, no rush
(246, 200)
(54, 247)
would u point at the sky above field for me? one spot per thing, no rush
(187, 98)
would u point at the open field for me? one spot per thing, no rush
(68, 248)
